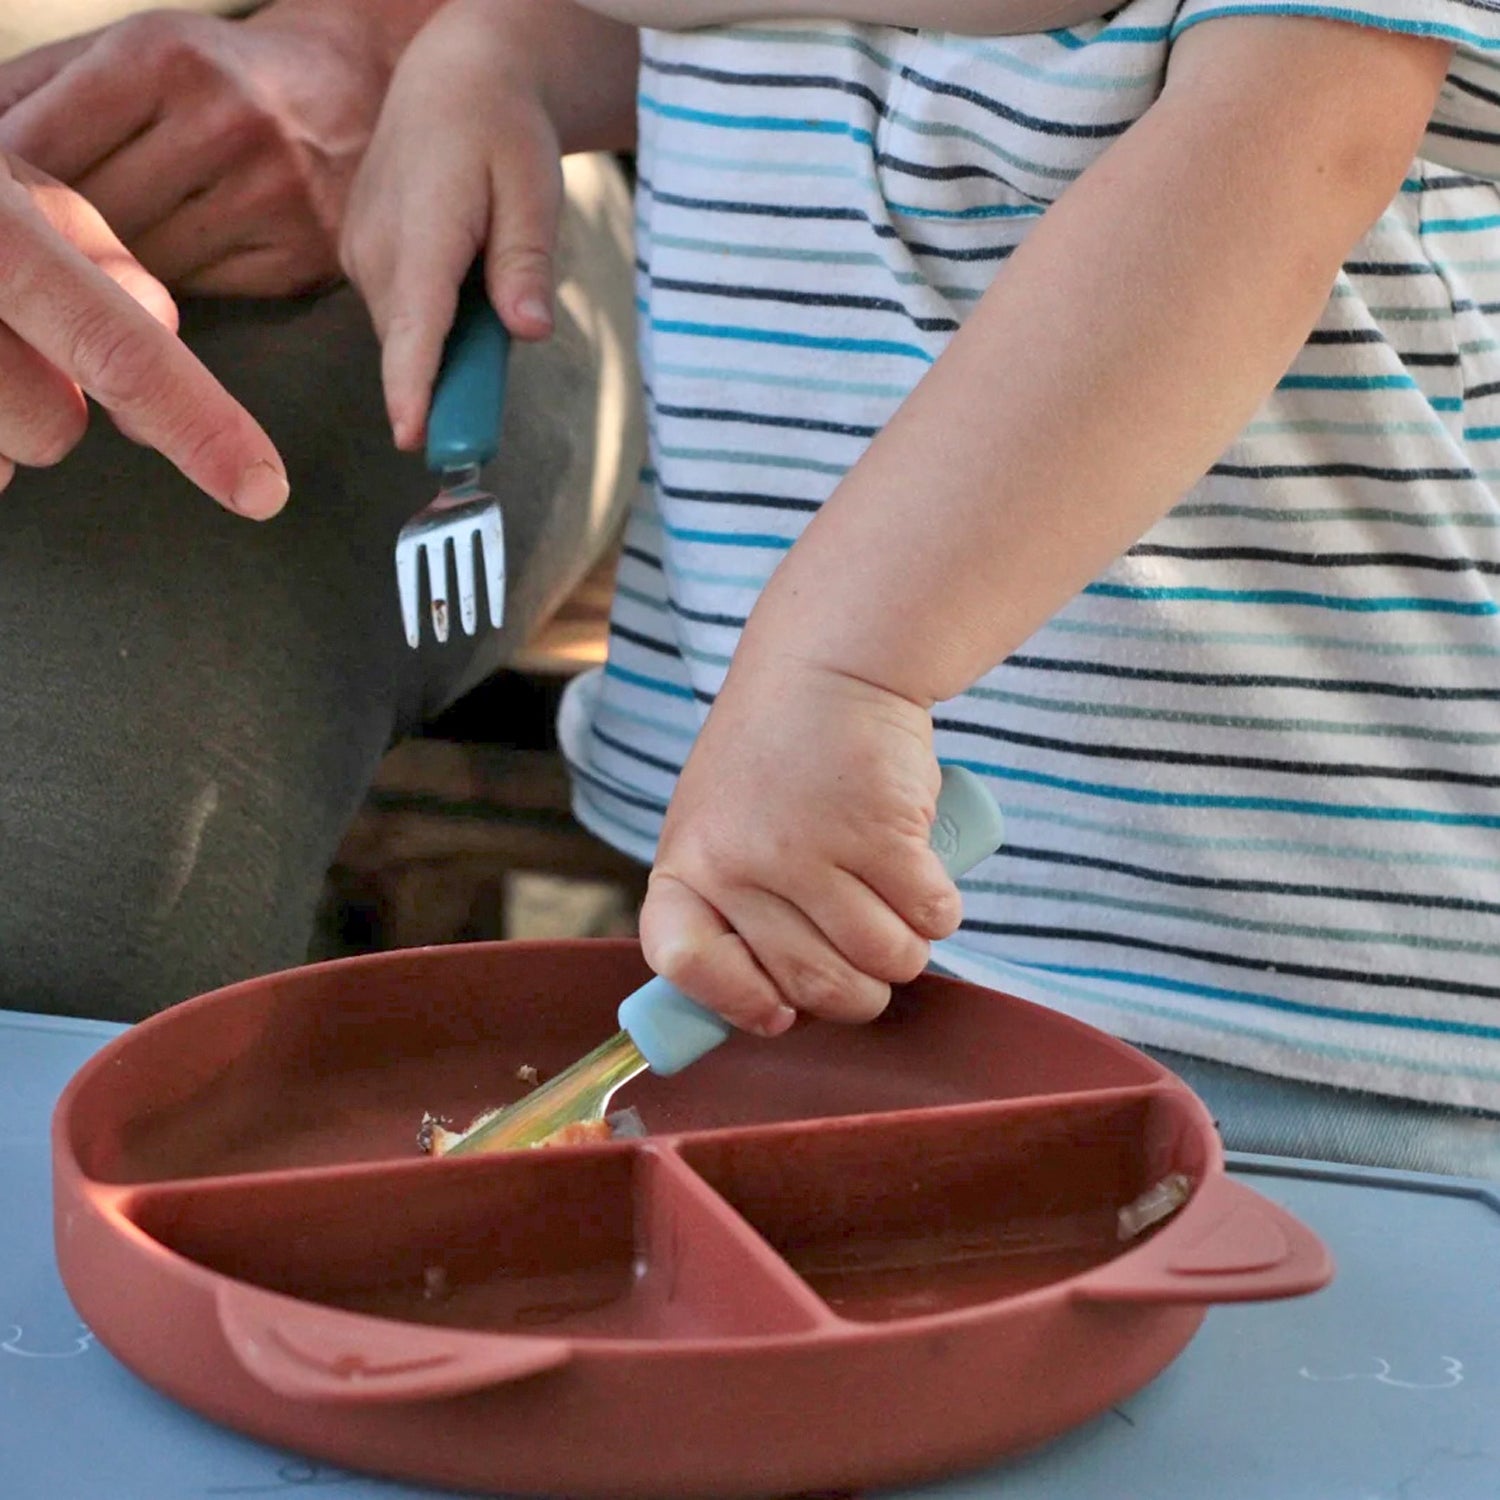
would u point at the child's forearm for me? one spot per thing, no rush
(1126, 343)
(583, 64)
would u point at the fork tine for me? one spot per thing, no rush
(492, 550)
(409, 587)
(437, 583)
(463, 568)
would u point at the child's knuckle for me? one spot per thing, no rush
(816, 986)
(906, 959)
(936, 913)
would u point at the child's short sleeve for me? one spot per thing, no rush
(1465, 129)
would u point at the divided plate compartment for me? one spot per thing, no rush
(847, 1258)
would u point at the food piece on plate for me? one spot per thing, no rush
(435, 1137)
(1158, 1202)
(580, 1133)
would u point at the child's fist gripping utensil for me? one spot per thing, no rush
(665, 1031)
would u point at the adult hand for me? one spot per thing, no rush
(79, 316)
(220, 151)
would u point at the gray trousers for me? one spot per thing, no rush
(1284, 1117)
(192, 706)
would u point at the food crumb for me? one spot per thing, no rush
(527, 1074)
(1157, 1203)
(434, 1283)
(435, 1135)
(579, 1133)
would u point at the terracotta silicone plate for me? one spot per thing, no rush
(846, 1258)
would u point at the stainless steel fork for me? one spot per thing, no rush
(439, 544)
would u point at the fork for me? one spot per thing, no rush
(463, 434)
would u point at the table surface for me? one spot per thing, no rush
(1384, 1387)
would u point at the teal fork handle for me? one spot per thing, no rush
(463, 426)
(673, 1031)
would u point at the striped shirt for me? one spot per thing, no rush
(1250, 774)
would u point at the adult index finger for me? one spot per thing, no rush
(83, 225)
(91, 329)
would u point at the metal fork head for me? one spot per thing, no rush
(439, 543)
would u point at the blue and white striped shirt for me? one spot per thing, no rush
(1250, 775)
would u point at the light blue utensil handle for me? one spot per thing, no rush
(463, 427)
(673, 1031)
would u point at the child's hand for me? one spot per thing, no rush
(794, 871)
(464, 158)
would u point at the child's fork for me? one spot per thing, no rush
(463, 434)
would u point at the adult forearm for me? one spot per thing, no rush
(1124, 346)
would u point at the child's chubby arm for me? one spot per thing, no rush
(1128, 340)
(467, 156)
